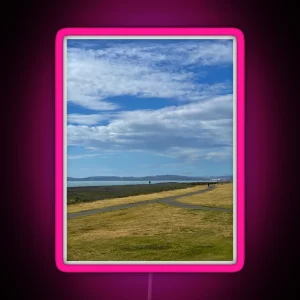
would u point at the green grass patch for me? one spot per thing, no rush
(88, 194)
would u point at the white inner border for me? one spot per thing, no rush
(234, 82)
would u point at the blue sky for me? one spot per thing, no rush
(149, 107)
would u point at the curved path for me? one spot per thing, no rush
(168, 200)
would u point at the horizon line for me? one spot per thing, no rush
(194, 176)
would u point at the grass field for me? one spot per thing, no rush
(131, 199)
(153, 232)
(149, 233)
(92, 193)
(222, 196)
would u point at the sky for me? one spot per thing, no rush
(149, 107)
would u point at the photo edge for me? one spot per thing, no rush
(238, 34)
(60, 264)
(239, 265)
(63, 33)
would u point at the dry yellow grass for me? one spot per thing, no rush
(151, 232)
(151, 219)
(116, 201)
(222, 196)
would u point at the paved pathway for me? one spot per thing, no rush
(169, 200)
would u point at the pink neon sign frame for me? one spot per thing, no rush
(59, 152)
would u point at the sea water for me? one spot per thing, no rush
(108, 183)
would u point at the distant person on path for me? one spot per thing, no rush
(149, 182)
(208, 184)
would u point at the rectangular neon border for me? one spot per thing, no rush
(59, 149)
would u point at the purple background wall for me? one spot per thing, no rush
(29, 132)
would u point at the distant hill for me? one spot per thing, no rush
(149, 178)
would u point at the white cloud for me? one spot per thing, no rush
(189, 155)
(192, 131)
(79, 156)
(87, 119)
(162, 71)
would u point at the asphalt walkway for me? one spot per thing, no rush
(169, 201)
